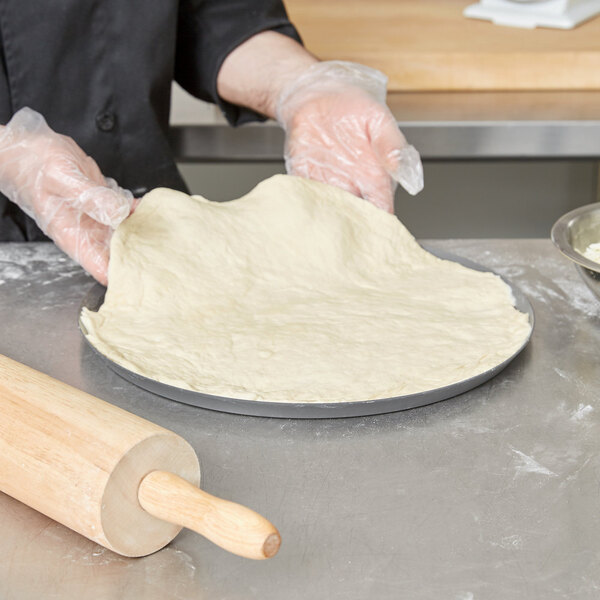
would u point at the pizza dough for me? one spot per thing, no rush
(296, 292)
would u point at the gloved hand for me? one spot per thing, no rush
(340, 131)
(62, 189)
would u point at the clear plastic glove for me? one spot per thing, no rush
(339, 130)
(50, 177)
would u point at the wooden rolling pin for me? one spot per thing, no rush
(115, 478)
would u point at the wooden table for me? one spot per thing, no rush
(429, 45)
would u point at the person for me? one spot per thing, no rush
(100, 73)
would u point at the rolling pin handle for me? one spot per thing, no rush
(231, 526)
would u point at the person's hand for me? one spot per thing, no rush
(340, 131)
(50, 177)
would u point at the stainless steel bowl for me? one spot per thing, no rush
(573, 233)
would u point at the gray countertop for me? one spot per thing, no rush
(441, 125)
(494, 494)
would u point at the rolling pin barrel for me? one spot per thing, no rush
(81, 461)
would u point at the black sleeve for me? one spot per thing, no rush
(5, 102)
(208, 30)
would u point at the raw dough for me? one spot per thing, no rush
(593, 252)
(296, 292)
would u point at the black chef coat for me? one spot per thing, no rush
(100, 71)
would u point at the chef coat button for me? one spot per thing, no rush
(106, 121)
(139, 191)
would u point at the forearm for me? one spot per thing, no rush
(254, 74)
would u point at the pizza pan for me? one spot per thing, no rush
(317, 410)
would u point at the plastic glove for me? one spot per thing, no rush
(340, 131)
(50, 177)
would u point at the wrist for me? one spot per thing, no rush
(256, 72)
(288, 72)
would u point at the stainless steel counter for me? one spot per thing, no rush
(442, 125)
(491, 495)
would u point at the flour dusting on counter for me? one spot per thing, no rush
(41, 262)
(530, 465)
(583, 410)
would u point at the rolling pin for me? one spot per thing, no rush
(119, 480)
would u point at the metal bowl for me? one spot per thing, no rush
(573, 233)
